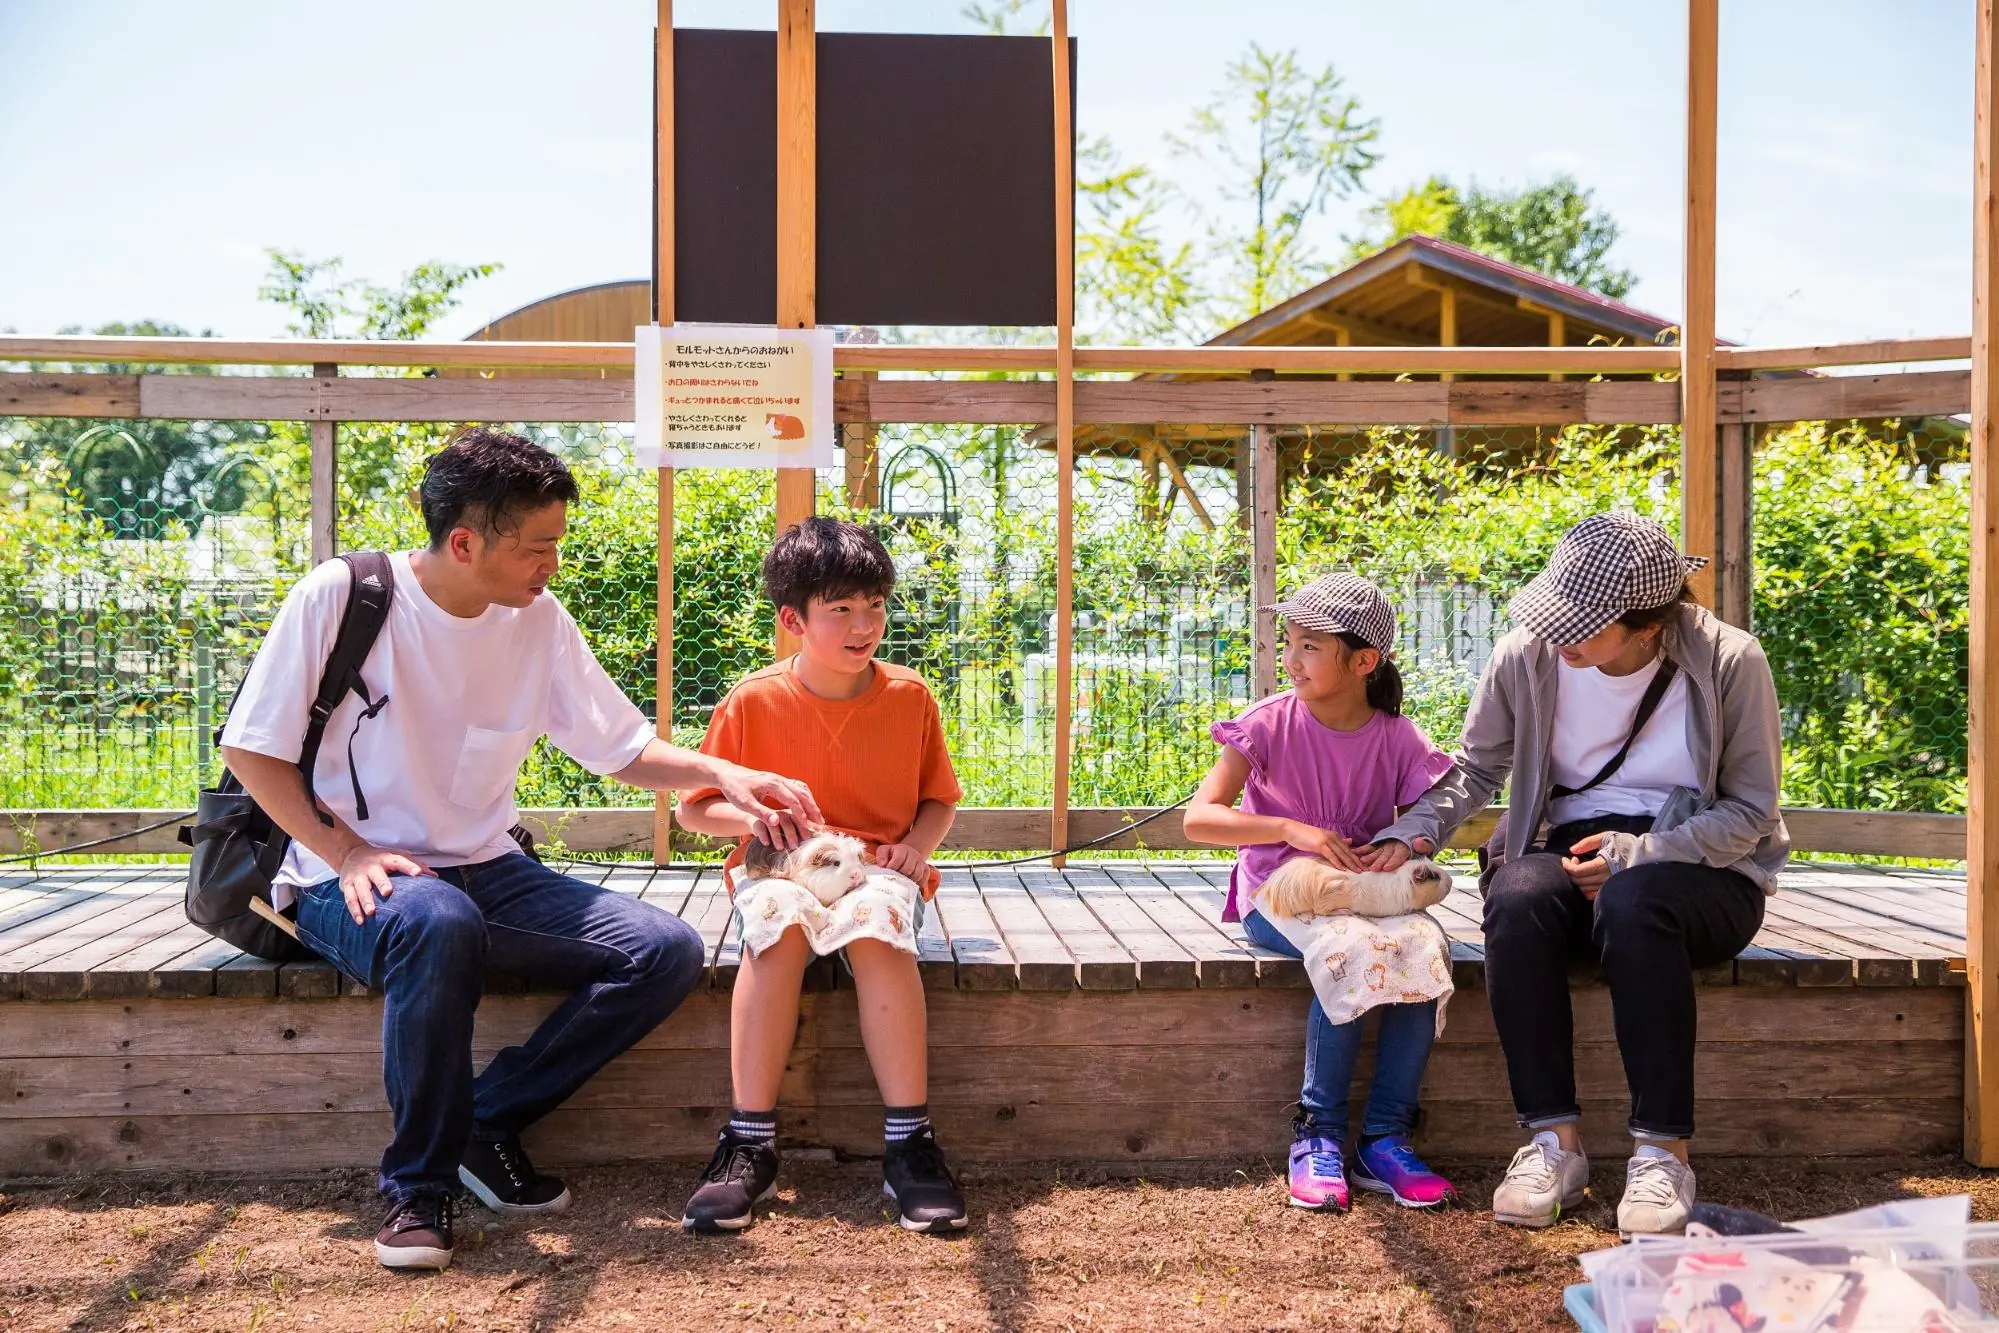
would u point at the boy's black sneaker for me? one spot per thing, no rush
(741, 1174)
(915, 1176)
(499, 1173)
(416, 1234)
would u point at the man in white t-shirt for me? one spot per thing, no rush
(419, 898)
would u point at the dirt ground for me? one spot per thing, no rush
(1215, 1248)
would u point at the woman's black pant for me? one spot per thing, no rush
(1651, 926)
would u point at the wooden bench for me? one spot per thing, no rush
(1101, 1013)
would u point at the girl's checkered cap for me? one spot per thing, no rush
(1604, 566)
(1341, 604)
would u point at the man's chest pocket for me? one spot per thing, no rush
(488, 764)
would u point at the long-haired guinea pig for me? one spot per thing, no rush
(825, 865)
(1306, 886)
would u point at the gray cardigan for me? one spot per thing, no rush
(1733, 821)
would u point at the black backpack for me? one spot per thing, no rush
(236, 848)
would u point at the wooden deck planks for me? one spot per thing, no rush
(115, 932)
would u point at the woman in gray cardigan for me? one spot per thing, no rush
(1642, 734)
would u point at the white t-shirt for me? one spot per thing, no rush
(1593, 714)
(468, 698)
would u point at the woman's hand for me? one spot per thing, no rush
(1324, 844)
(1587, 871)
(1393, 853)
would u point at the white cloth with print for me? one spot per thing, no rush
(468, 698)
(1356, 962)
(882, 909)
(1593, 715)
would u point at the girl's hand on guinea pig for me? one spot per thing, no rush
(1324, 844)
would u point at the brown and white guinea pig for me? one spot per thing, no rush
(1306, 886)
(826, 865)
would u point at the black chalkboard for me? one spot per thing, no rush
(936, 178)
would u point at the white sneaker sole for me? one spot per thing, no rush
(412, 1256)
(729, 1223)
(1538, 1221)
(921, 1228)
(496, 1204)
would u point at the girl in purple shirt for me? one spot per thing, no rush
(1320, 770)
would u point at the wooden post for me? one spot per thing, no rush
(1263, 564)
(1699, 482)
(1736, 560)
(1447, 323)
(662, 313)
(1558, 336)
(1065, 429)
(863, 458)
(323, 516)
(797, 220)
(1981, 1028)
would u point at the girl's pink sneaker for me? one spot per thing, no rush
(1318, 1175)
(1388, 1165)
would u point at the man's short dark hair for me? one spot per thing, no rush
(827, 558)
(489, 479)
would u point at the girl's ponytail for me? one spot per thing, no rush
(1384, 683)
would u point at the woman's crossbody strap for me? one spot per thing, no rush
(1648, 705)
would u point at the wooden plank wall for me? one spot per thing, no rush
(1138, 1076)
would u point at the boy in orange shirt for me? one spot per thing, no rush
(865, 736)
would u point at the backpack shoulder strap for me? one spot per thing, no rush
(371, 585)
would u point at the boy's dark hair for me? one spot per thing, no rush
(1384, 683)
(1645, 618)
(487, 479)
(827, 558)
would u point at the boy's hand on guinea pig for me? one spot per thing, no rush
(911, 862)
(1393, 853)
(1323, 843)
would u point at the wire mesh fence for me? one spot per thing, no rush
(141, 562)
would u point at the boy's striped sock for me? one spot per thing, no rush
(756, 1126)
(904, 1122)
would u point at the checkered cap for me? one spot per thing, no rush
(1604, 566)
(1341, 604)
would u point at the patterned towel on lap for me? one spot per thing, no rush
(1358, 962)
(882, 909)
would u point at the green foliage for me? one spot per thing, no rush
(1552, 228)
(1862, 602)
(325, 305)
(1284, 142)
(1132, 286)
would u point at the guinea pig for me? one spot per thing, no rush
(1306, 886)
(826, 865)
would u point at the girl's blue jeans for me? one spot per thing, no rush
(1401, 1050)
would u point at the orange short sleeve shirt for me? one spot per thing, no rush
(870, 760)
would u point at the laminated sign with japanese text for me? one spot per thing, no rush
(714, 395)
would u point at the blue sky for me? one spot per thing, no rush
(149, 153)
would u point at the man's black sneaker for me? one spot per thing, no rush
(915, 1176)
(416, 1233)
(499, 1173)
(741, 1174)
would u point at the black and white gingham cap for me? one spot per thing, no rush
(1341, 604)
(1604, 566)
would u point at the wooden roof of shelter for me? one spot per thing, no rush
(1418, 292)
(605, 312)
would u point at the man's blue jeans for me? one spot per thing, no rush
(427, 950)
(1401, 1051)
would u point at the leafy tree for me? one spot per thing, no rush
(325, 305)
(1284, 142)
(1132, 285)
(1552, 228)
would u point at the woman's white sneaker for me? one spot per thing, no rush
(1658, 1194)
(1541, 1182)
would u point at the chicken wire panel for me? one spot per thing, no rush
(140, 566)
(1163, 614)
(969, 515)
(1861, 579)
(1449, 523)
